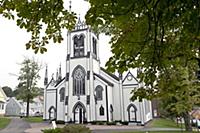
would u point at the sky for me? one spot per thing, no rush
(13, 50)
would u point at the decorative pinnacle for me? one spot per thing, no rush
(70, 5)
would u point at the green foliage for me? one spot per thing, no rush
(161, 37)
(163, 123)
(8, 91)
(71, 128)
(111, 123)
(57, 130)
(37, 16)
(28, 77)
(4, 122)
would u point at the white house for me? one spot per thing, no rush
(18, 107)
(3, 99)
(88, 92)
(14, 108)
(35, 107)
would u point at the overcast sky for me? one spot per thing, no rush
(12, 50)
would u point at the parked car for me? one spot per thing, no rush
(196, 123)
(38, 113)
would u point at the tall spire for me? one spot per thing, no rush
(70, 6)
(60, 73)
(57, 75)
(46, 76)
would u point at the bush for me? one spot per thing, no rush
(57, 130)
(93, 122)
(111, 123)
(69, 129)
(75, 129)
(124, 122)
(60, 122)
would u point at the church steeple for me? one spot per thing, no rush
(60, 73)
(46, 76)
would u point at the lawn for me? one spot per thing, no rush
(158, 132)
(4, 121)
(33, 119)
(163, 123)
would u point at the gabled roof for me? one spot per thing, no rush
(129, 73)
(59, 82)
(110, 74)
(52, 79)
(16, 101)
(105, 80)
(4, 95)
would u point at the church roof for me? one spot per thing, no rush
(59, 82)
(105, 80)
(110, 74)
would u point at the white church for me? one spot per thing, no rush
(88, 92)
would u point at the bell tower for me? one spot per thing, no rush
(82, 62)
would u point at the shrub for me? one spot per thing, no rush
(124, 122)
(60, 122)
(93, 122)
(111, 123)
(72, 128)
(57, 130)
(75, 129)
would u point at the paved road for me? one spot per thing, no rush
(16, 125)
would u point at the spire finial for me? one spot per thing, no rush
(60, 73)
(46, 76)
(70, 5)
(79, 18)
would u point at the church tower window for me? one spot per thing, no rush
(99, 90)
(78, 81)
(94, 42)
(101, 111)
(79, 46)
(62, 94)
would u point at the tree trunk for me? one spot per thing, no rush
(27, 107)
(186, 117)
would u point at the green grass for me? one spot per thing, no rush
(163, 123)
(4, 121)
(33, 119)
(157, 132)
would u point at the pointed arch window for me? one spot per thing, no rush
(79, 46)
(99, 94)
(94, 42)
(79, 81)
(62, 94)
(101, 111)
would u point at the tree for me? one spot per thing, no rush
(28, 76)
(39, 17)
(162, 38)
(8, 91)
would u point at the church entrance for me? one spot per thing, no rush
(132, 113)
(52, 113)
(79, 113)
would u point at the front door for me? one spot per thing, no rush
(79, 114)
(132, 117)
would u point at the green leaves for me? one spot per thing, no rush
(28, 77)
(37, 17)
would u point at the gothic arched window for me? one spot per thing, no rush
(79, 46)
(94, 42)
(99, 94)
(62, 94)
(79, 81)
(101, 110)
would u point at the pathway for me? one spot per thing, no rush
(16, 125)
